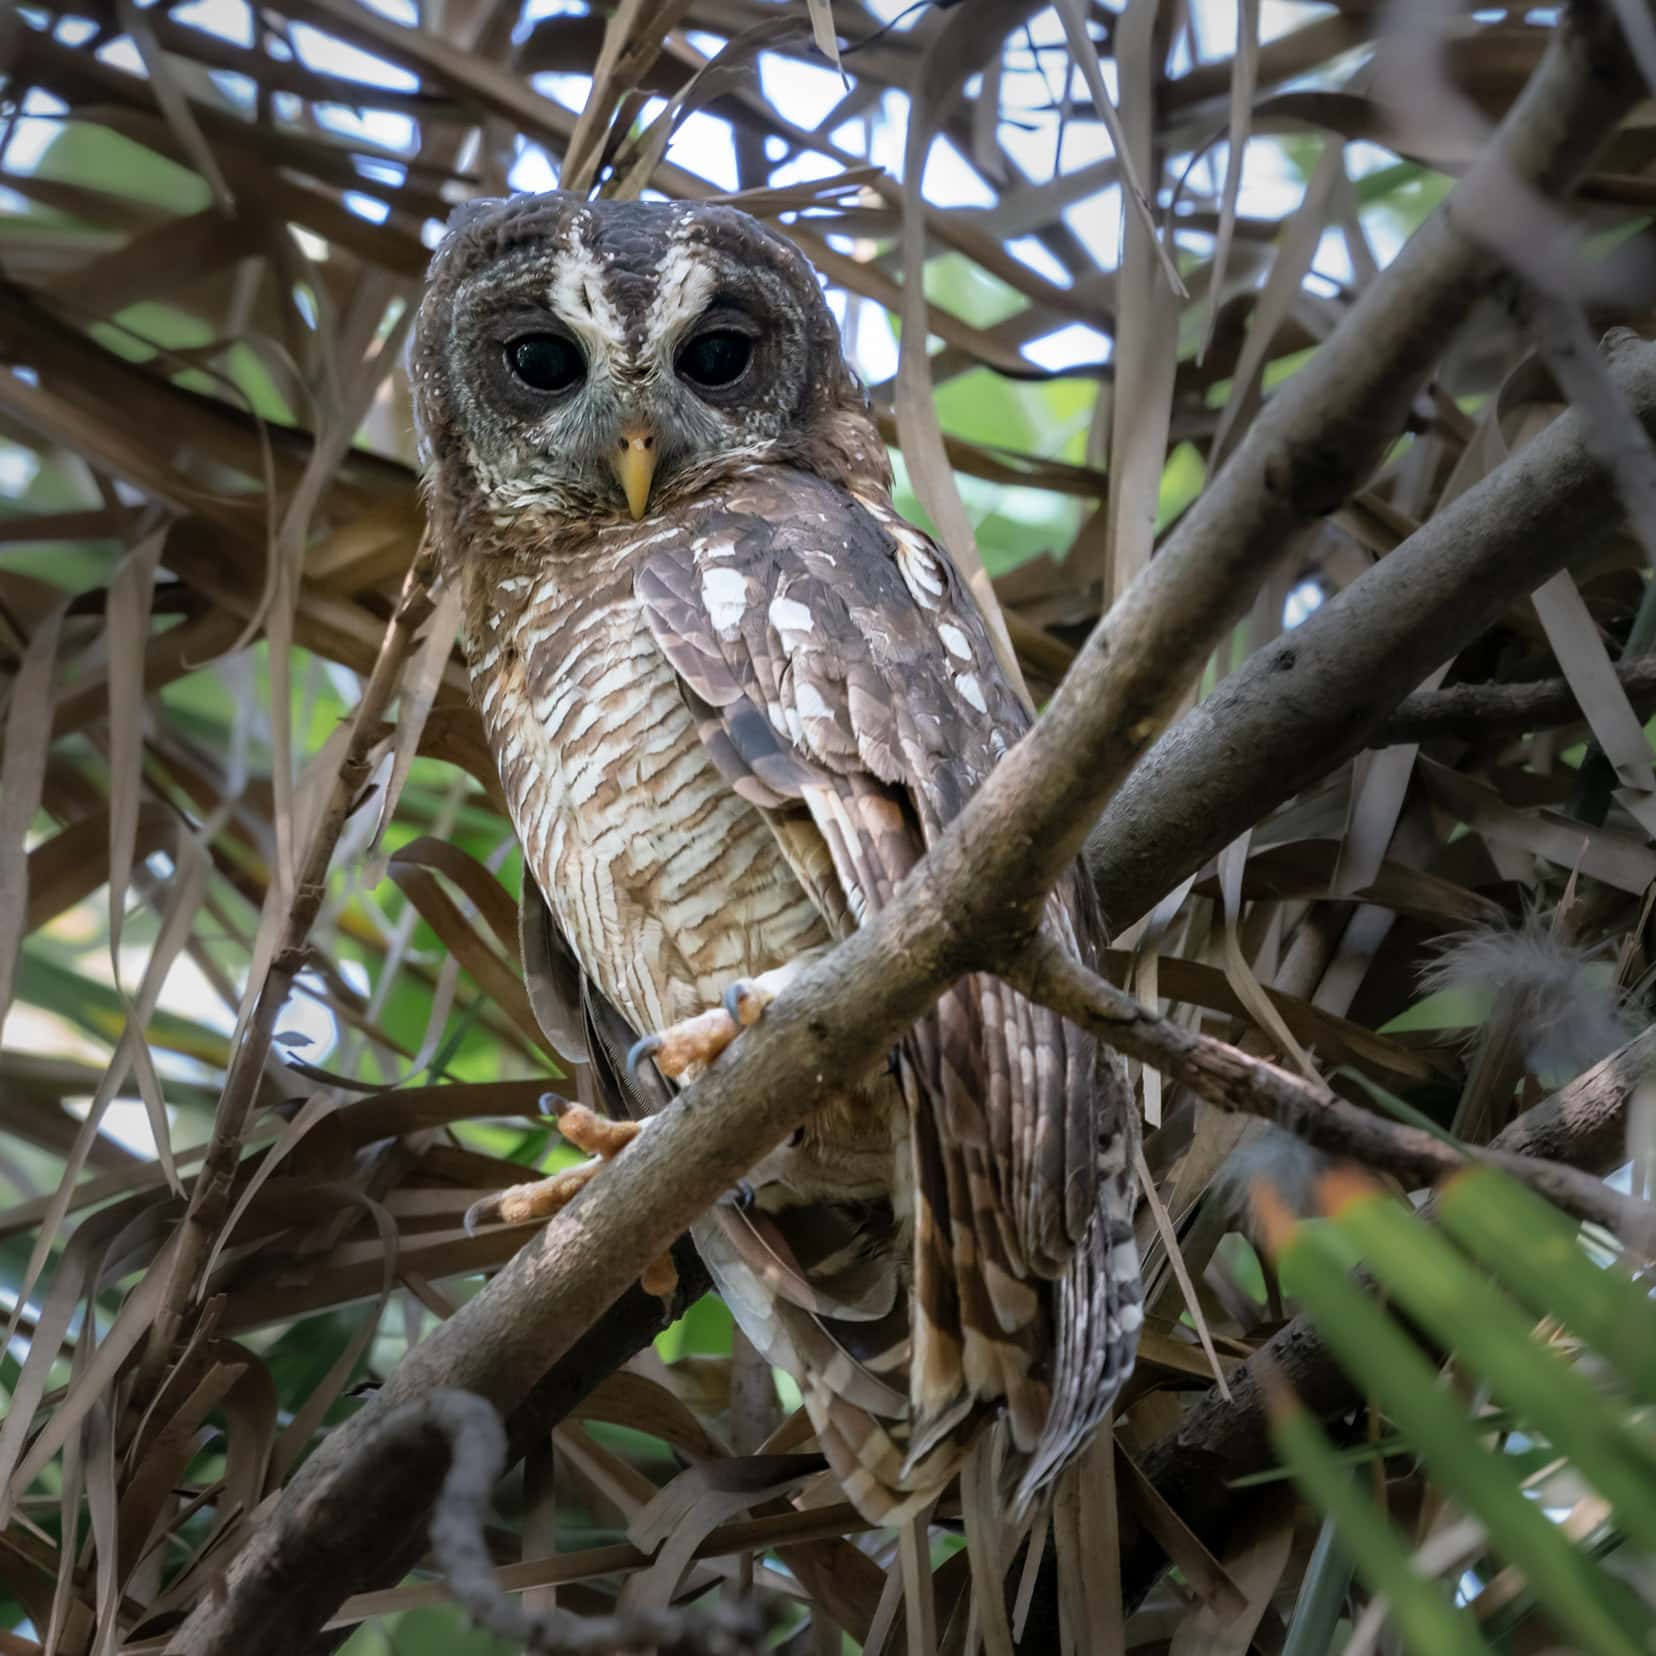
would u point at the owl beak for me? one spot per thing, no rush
(634, 460)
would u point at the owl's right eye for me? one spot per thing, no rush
(546, 362)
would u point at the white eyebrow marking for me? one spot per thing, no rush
(684, 284)
(577, 295)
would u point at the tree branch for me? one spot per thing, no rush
(976, 899)
(393, 1537)
(476, 1447)
(1235, 1080)
(1303, 705)
(1477, 712)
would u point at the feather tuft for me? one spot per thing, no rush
(1565, 1002)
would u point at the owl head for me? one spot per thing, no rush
(588, 361)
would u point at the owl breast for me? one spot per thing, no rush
(666, 883)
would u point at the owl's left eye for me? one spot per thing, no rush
(716, 359)
(546, 362)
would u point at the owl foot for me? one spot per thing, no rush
(603, 1140)
(683, 1050)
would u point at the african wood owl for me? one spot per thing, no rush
(733, 697)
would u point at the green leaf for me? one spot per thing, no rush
(1421, 1608)
(1491, 1338)
(1534, 1250)
(1594, 1608)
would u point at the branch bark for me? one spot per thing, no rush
(975, 901)
(1235, 1080)
(1303, 705)
(1584, 1125)
(1477, 712)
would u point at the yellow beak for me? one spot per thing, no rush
(635, 463)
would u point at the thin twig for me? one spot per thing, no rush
(210, 1196)
(1477, 712)
(477, 1456)
(1235, 1080)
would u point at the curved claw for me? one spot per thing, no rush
(484, 1211)
(741, 1195)
(641, 1051)
(732, 1002)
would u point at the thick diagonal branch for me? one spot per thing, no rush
(976, 899)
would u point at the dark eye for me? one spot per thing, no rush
(716, 358)
(546, 362)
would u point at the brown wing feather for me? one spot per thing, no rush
(837, 663)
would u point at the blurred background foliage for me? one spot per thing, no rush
(213, 220)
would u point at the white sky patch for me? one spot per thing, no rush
(569, 90)
(804, 168)
(382, 172)
(75, 31)
(537, 9)
(236, 87)
(1069, 345)
(336, 57)
(1096, 223)
(34, 130)
(122, 54)
(1332, 261)
(366, 206)
(805, 93)
(532, 170)
(877, 352)
(951, 181)
(1030, 251)
(404, 12)
(18, 468)
(1302, 602)
(229, 19)
(383, 127)
(703, 144)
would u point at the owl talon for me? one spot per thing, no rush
(640, 1053)
(602, 1140)
(683, 1050)
(746, 999)
(740, 1196)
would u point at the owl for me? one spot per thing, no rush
(733, 697)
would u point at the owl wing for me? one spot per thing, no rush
(838, 667)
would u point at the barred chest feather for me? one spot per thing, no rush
(667, 884)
